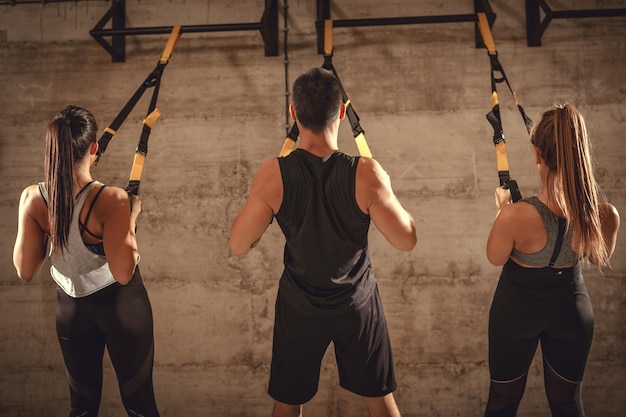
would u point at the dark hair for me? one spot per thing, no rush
(563, 144)
(317, 99)
(68, 138)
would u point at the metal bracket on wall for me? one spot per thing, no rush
(268, 27)
(323, 14)
(535, 26)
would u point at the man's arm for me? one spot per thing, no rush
(264, 200)
(376, 197)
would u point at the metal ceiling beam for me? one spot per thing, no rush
(323, 13)
(268, 27)
(535, 27)
(43, 2)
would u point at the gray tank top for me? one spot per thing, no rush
(78, 271)
(551, 254)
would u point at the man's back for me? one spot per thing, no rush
(327, 265)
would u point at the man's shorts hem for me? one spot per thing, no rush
(371, 394)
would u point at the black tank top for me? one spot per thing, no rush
(327, 263)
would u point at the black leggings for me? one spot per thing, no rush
(544, 305)
(120, 318)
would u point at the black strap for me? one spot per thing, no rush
(353, 117)
(152, 81)
(83, 226)
(559, 242)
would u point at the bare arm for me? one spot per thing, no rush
(256, 215)
(118, 233)
(501, 237)
(31, 242)
(376, 197)
(610, 221)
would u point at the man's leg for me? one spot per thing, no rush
(382, 406)
(286, 410)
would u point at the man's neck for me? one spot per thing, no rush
(321, 144)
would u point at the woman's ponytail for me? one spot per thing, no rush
(68, 138)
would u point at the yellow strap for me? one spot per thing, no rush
(485, 32)
(111, 131)
(502, 161)
(328, 37)
(140, 158)
(361, 144)
(152, 117)
(515, 97)
(171, 44)
(494, 99)
(135, 172)
(287, 147)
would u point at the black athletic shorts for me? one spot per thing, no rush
(362, 351)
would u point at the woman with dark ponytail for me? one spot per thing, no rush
(541, 294)
(101, 300)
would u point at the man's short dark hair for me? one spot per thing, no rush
(317, 99)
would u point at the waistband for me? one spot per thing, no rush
(541, 277)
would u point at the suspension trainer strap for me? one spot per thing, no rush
(290, 142)
(353, 117)
(498, 76)
(152, 81)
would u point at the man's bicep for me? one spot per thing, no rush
(393, 221)
(249, 225)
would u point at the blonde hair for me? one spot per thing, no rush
(563, 144)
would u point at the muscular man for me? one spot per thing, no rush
(323, 201)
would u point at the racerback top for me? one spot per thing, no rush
(565, 256)
(77, 270)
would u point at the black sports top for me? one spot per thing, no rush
(327, 263)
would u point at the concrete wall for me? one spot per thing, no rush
(422, 92)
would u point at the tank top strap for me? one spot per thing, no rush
(83, 225)
(43, 192)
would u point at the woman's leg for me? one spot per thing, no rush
(565, 345)
(82, 346)
(127, 320)
(563, 395)
(505, 397)
(515, 322)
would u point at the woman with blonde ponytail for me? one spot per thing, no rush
(541, 295)
(101, 300)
